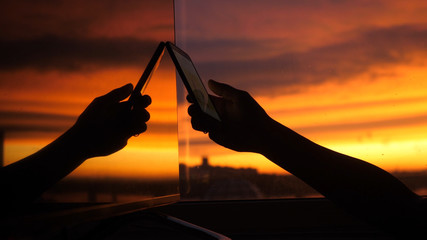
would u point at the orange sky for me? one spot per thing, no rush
(57, 57)
(348, 75)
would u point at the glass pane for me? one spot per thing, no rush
(56, 58)
(349, 75)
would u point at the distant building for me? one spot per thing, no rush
(206, 171)
(205, 162)
(215, 182)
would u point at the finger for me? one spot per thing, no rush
(143, 116)
(198, 118)
(194, 110)
(222, 89)
(137, 122)
(190, 99)
(217, 101)
(147, 100)
(119, 94)
(139, 129)
(193, 102)
(142, 101)
(198, 123)
(203, 122)
(139, 115)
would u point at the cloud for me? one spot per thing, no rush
(18, 121)
(367, 125)
(70, 35)
(372, 48)
(81, 19)
(73, 54)
(26, 121)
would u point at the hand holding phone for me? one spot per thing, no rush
(192, 81)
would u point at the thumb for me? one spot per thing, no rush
(119, 94)
(221, 89)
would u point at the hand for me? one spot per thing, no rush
(243, 121)
(108, 122)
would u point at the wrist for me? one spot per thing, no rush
(74, 144)
(269, 137)
(277, 140)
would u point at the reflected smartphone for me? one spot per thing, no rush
(148, 72)
(191, 79)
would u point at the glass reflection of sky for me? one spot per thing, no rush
(56, 58)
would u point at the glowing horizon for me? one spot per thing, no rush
(56, 58)
(354, 84)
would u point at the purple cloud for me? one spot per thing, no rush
(371, 48)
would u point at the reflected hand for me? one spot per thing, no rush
(243, 121)
(108, 122)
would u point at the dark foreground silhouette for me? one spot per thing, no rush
(103, 128)
(362, 189)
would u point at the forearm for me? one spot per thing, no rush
(354, 184)
(27, 179)
(102, 129)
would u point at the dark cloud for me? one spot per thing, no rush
(68, 54)
(355, 106)
(366, 125)
(18, 121)
(21, 121)
(77, 34)
(373, 48)
(79, 18)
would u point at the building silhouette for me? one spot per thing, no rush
(215, 182)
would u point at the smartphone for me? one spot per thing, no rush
(148, 72)
(192, 82)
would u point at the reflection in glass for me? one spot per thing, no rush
(56, 58)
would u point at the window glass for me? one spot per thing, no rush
(349, 75)
(56, 57)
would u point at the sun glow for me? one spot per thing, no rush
(154, 154)
(353, 84)
(375, 117)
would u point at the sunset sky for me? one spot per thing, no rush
(349, 75)
(58, 56)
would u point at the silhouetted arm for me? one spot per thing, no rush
(359, 187)
(103, 128)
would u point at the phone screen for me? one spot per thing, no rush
(191, 78)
